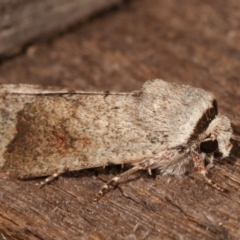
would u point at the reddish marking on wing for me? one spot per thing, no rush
(62, 142)
(86, 141)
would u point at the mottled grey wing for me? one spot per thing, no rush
(47, 132)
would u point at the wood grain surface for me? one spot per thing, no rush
(189, 42)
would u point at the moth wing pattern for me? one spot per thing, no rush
(49, 131)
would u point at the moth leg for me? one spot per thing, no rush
(210, 181)
(150, 171)
(210, 159)
(49, 179)
(115, 180)
(200, 166)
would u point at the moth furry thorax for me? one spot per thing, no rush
(163, 126)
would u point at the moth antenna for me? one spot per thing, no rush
(49, 179)
(114, 181)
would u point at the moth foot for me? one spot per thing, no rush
(105, 188)
(209, 166)
(114, 181)
(211, 182)
(48, 179)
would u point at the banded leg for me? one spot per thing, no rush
(49, 179)
(115, 180)
(200, 166)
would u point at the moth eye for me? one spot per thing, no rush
(209, 146)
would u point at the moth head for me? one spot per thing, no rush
(216, 139)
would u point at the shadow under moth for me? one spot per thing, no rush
(165, 126)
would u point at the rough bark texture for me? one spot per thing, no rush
(191, 42)
(23, 21)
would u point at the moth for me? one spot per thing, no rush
(165, 126)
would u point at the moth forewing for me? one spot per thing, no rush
(163, 125)
(58, 131)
